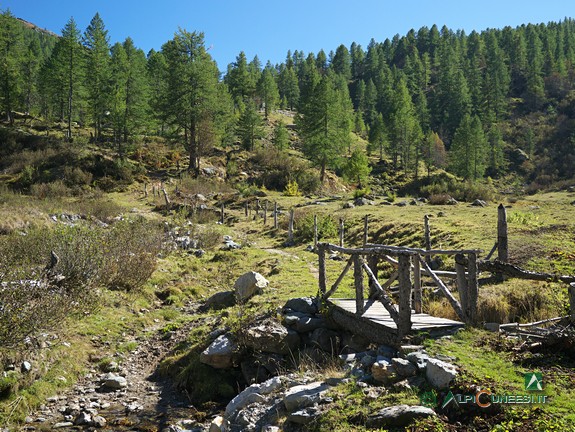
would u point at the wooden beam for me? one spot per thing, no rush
(502, 239)
(372, 261)
(265, 213)
(383, 297)
(365, 229)
(275, 215)
(341, 228)
(461, 281)
(472, 288)
(339, 279)
(427, 238)
(572, 301)
(518, 272)
(314, 231)
(452, 300)
(290, 226)
(358, 282)
(222, 213)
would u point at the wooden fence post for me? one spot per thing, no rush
(572, 301)
(372, 261)
(290, 226)
(427, 238)
(257, 208)
(275, 215)
(341, 228)
(321, 270)
(265, 213)
(358, 282)
(315, 231)
(472, 287)
(502, 239)
(222, 215)
(365, 228)
(404, 269)
(166, 198)
(417, 294)
(461, 281)
(247, 208)
(145, 190)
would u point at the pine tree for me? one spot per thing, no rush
(357, 168)
(98, 75)
(341, 63)
(378, 140)
(137, 91)
(157, 83)
(288, 86)
(30, 72)
(240, 79)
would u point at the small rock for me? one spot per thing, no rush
(384, 373)
(221, 353)
(304, 305)
(25, 367)
(304, 416)
(114, 382)
(303, 396)
(83, 419)
(348, 205)
(406, 349)
(99, 421)
(62, 425)
(491, 326)
(248, 285)
(217, 424)
(269, 428)
(479, 203)
(419, 359)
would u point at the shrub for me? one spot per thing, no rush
(326, 227)
(56, 189)
(462, 191)
(292, 189)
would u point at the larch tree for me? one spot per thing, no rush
(469, 149)
(10, 65)
(192, 93)
(98, 73)
(324, 123)
(267, 90)
(250, 126)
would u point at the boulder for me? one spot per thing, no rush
(251, 394)
(217, 424)
(384, 373)
(326, 340)
(270, 336)
(440, 373)
(220, 300)
(361, 201)
(249, 284)
(479, 203)
(304, 416)
(303, 396)
(305, 305)
(398, 416)
(419, 359)
(221, 354)
(404, 368)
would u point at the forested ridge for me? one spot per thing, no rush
(486, 104)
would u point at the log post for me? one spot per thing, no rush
(257, 208)
(290, 226)
(321, 270)
(404, 269)
(417, 295)
(145, 190)
(314, 231)
(427, 238)
(358, 282)
(265, 213)
(572, 301)
(275, 215)
(341, 228)
(461, 281)
(222, 214)
(365, 229)
(246, 208)
(502, 239)
(472, 288)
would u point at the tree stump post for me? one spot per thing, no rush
(166, 198)
(417, 294)
(222, 214)
(404, 270)
(145, 190)
(341, 228)
(358, 282)
(365, 229)
(265, 213)
(257, 215)
(246, 208)
(427, 238)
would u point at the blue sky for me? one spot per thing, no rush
(269, 28)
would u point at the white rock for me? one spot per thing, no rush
(217, 424)
(302, 396)
(252, 394)
(440, 373)
(220, 354)
(248, 284)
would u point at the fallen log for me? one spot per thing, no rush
(517, 272)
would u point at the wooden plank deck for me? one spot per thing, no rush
(376, 313)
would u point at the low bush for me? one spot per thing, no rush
(461, 191)
(326, 227)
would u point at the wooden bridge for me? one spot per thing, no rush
(376, 316)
